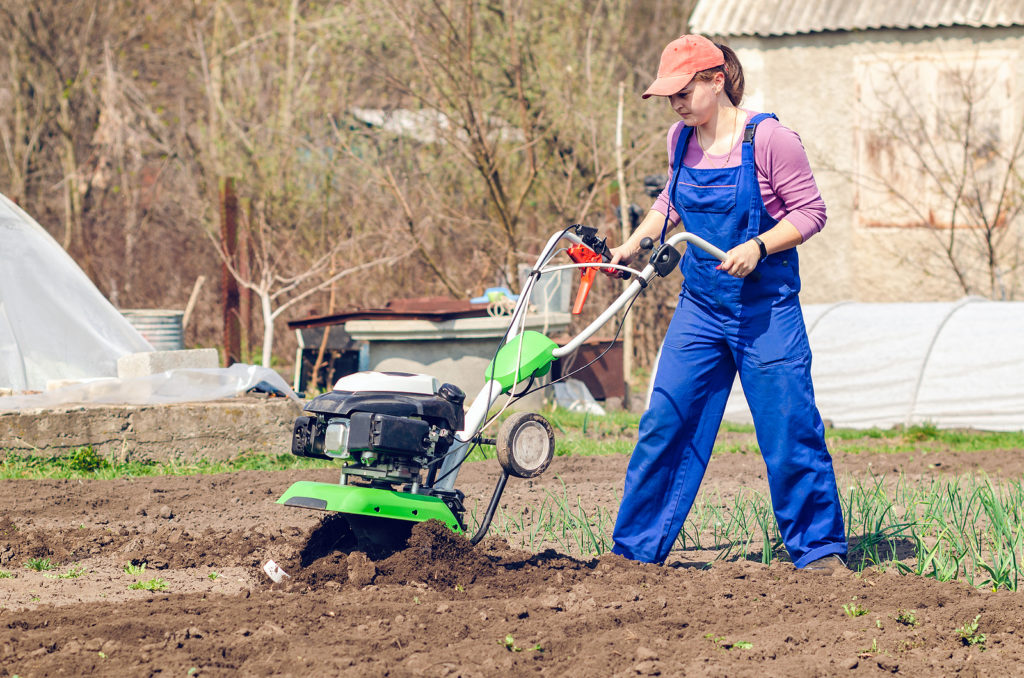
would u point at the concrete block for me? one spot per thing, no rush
(155, 362)
(186, 431)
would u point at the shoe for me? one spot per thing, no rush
(827, 565)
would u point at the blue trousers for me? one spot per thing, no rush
(704, 348)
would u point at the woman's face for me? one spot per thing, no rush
(696, 102)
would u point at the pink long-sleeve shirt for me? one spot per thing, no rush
(783, 173)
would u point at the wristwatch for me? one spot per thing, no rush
(764, 250)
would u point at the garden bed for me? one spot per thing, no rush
(163, 575)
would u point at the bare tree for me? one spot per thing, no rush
(515, 102)
(273, 84)
(118, 121)
(50, 45)
(945, 155)
(277, 291)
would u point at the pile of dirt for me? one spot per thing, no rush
(437, 557)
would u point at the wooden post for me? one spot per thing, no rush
(624, 221)
(229, 286)
(244, 263)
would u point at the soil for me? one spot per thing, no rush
(441, 607)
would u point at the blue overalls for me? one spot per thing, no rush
(722, 325)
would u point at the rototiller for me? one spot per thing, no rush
(402, 438)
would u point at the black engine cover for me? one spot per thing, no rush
(433, 408)
(384, 433)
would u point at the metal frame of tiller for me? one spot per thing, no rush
(525, 441)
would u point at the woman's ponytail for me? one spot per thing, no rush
(733, 72)
(733, 75)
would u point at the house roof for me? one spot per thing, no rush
(437, 309)
(765, 18)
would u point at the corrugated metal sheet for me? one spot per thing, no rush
(790, 17)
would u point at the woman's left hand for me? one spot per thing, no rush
(741, 260)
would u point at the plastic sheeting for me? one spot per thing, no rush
(952, 364)
(54, 323)
(172, 386)
(573, 395)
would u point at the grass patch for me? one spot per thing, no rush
(84, 462)
(583, 434)
(576, 434)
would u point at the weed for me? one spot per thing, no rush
(85, 460)
(509, 643)
(40, 564)
(969, 634)
(855, 610)
(715, 640)
(460, 588)
(907, 617)
(720, 644)
(156, 584)
(75, 572)
(4, 574)
(135, 569)
(213, 576)
(922, 432)
(871, 650)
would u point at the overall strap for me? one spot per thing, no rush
(756, 202)
(680, 150)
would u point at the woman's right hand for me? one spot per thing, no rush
(621, 255)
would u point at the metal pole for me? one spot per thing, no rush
(624, 221)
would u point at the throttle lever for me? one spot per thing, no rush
(588, 235)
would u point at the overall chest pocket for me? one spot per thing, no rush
(716, 198)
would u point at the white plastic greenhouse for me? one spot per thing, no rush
(56, 327)
(54, 323)
(952, 364)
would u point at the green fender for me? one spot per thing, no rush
(370, 502)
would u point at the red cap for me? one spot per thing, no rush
(681, 59)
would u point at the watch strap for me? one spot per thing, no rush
(760, 244)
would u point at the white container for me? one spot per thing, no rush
(162, 328)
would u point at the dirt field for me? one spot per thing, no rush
(442, 608)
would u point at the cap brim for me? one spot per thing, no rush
(663, 87)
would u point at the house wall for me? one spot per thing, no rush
(811, 82)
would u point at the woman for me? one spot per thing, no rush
(741, 181)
